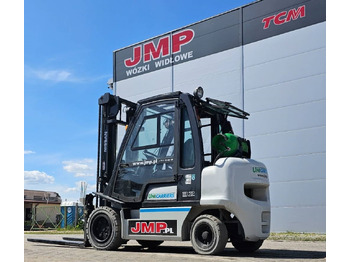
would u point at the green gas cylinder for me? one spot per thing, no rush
(229, 145)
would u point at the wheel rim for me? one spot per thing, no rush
(101, 228)
(204, 236)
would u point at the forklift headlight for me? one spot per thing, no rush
(198, 92)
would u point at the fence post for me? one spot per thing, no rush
(33, 218)
(76, 215)
(65, 216)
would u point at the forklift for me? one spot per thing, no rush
(179, 174)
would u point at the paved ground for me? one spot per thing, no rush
(170, 251)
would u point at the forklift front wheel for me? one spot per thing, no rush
(208, 235)
(103, 229)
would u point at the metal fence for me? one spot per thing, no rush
(53, 217)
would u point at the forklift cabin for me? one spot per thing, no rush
(161, 156)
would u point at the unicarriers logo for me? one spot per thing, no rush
(284, 17)
(164, 52)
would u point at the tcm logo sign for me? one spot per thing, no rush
(167, 227)
(167, 45)
(284, 17)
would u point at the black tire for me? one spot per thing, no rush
(208, 235)
(103, 229)
(149, 243)
(247, 246)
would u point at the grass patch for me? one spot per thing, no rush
(293, 236)
(55, 231)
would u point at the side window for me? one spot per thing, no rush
(149, 153)
(206, 138)
(187, 146)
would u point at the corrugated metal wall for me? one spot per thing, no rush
(285, 92)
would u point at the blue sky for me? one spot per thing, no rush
(68, 49)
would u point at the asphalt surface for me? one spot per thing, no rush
(169, 251)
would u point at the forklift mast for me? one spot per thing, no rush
(110, 116)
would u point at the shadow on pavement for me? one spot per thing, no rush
(228, 252)
(232, 252)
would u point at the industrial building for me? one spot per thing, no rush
(40, 206)
(269, 59)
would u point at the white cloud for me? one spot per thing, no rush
(54, 75)
(37, 177)
(78, 188)
(72, 189)
(80, 168)
(60, 75)
(27, 152)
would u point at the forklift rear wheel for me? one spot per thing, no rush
(103, 229)
(208, 235)
(247, 246)
(149, 243)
